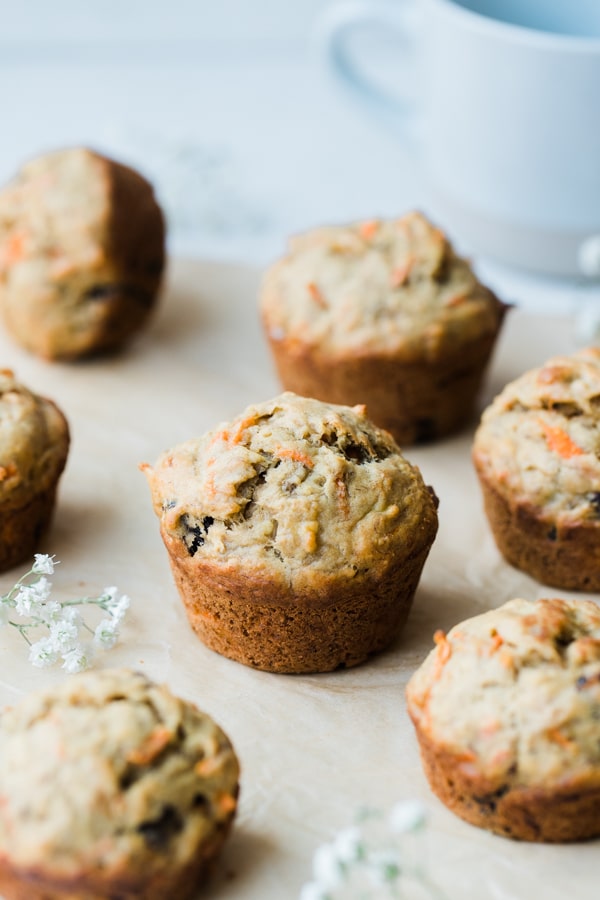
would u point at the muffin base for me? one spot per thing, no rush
(416, 401)
(30, 884)
(547, 814)
(266, 625)
(566, 557)
(22, 527)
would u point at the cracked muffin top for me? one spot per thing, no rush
(516, 692)
(293, 486)
(110, 771)
(539, 441)
(34, 441)
(389, 286)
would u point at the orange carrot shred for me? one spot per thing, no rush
(559, 441)
(154, 744)
(556, 735)
(296, 455)
(316, 294)
(367, 229)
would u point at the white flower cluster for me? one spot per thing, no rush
(61, 622)
(378, 857)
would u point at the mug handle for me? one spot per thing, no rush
(335, 28)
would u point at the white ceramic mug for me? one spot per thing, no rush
(502, 102)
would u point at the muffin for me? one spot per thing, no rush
(296, 534)
(537, 456)
(383, 313)
(507, 714)
(81, 254)
(34, 444)
(111, 788)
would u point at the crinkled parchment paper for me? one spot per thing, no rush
(313, 748)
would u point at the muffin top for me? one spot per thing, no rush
(294, 487)
(109, 770)
(539, 441)
(385, 286)
(515, 692)
(54, 213)
(34, 441)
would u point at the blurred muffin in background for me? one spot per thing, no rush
(537, 456)
(82, 251)
(386, 314)
(34, 443)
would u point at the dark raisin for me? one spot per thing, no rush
(195, 533)
(552, 534)
(159, 832)
(594, 501)
(200, 801)
(569, 410)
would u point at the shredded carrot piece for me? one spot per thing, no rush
(316, 294)
(559, 441)
(296, 455)
(556, 735)
(367, 229)
(400, 274)
(14, 248)
(243, 425)
(154, 744)
(444, 650)
(455, 300)
(208, 767)
(225, 802)
(496, 642)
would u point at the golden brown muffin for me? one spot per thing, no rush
(296, 533)
(507, 714)
(537, 455)
(111, 786)
(386, 314)
(34, 444)
(81, 254)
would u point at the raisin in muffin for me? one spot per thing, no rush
(110, 787)
(81, 254)
(383, 313)
(296, 533)
(507, 714)
(537, 455)
(34, 444)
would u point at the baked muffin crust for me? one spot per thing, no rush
(383, 313)
(507, 712)
(537, 454)
(34, 443)
(81, 254)
(295, 510)
(111, 786)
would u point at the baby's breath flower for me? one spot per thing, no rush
(106, 633)
(61, 623)
(43, 653)
(43, 565)
(377, 859)
(64, 635)
(328, 869)
(313, 891)
(407, 816)
(76, 660)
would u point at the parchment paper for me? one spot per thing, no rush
(313, 748)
